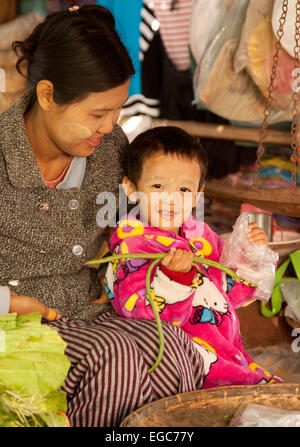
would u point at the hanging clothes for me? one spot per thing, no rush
(166, 92)
(143, 101)
(172, 87)
(128, 18)
(174, 18)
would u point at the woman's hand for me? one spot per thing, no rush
(178, 260)
(256, 234)
(21, 304)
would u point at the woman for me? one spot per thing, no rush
(59, 149)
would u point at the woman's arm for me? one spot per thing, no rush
(21, 304)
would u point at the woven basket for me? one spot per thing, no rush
(212, 407)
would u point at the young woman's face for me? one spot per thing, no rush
(167, 190)
(77, 128)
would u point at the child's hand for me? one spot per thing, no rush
(256, 234)
(21, 304)
(178, 260)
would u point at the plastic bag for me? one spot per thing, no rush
(254, 415)
(288, 38)
(291, 294)
(281, 359)
(224, 88)
(255, 53)
(255, 263)
(227, 28)
(205, 19)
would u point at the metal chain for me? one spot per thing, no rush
(267, 111)
(294, 133)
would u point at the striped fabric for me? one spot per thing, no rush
(148, 27)
(175, 29)
(110, 359)
(139, 104)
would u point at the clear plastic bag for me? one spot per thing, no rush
(222, 85)
(291, 295)
(256, 51)
(254, 415)
(288, 39)
(255, 263)
(205, 19)
(227, 27)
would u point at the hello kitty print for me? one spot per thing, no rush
(204, 309)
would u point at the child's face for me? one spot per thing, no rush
(167, 190)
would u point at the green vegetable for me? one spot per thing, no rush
(157, 258)
(33, 367)
(160, 256)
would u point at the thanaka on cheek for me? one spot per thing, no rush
(78, 130)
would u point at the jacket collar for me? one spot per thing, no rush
(22, 167)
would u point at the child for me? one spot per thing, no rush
(168, 160)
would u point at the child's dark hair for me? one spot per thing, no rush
(79, 52)
(167, 139)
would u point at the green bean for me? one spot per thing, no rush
(161, 256)
(157, 258)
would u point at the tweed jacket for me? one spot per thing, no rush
(46, 235)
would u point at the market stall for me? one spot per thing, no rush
(228, 73)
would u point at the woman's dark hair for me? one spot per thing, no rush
(167, 139)
(79, 52)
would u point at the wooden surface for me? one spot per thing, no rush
(8, 10)
(281, 201)
(227, 132)
(257, 330)
(214, 407)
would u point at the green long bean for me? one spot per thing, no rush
(157, 258)
(161, 256)
(156, 315)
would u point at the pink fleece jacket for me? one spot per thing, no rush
(205, 309)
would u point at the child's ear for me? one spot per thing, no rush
(129, 188)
